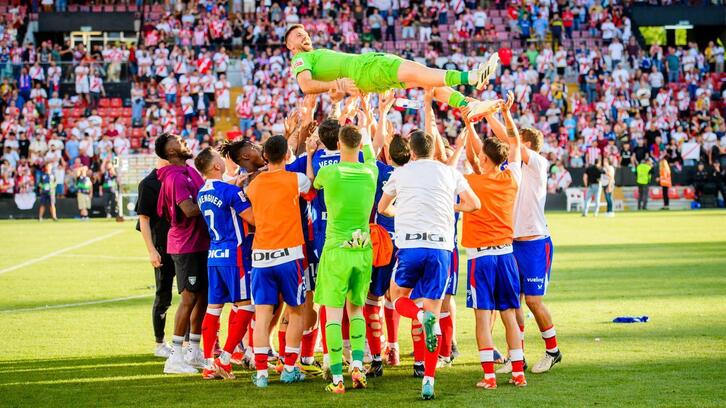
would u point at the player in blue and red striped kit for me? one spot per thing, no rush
(224, 208)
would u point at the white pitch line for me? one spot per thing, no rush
(111, 257)
(66, 305)
(58, 252)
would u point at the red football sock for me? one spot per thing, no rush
(392, 320)
(291, 354)
(486, 356)
(373, 325)
(281, 343)
(345, 326)
(517, 356)
(430, 359)
(236, 329)
(550, 338)
(419, 343)
(323, 322)
(251, 333)
(407, 308)
(261, 358)
(447, 333)
(307, 345)
(209, 331)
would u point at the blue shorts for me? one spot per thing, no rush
(425, 268)
(534, 260)
(492, 283)
(453, 285)
(310, 274)
(285, 279)
(228, 284)
(381, 277)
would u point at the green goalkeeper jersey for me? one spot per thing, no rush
(350, 189)
(372, 72)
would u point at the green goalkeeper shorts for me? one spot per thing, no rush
(343, 273)
(376, 72)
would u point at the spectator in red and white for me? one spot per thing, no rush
(221, 91)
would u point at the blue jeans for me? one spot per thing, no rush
(608, 199)
(137, 108)
(593, 191)
(672, 76)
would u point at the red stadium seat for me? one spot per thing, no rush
(135, 142)
(126, 112)
(104, 102)
(108, 8)
(655, 193)
(77, 112)
(96, 8)
(673, 193)
(116, 102)
(689, 193)
(137, 132)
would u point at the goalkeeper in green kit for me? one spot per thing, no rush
(324, 70)
(344, 271)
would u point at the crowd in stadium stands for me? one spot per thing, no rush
(625, 103)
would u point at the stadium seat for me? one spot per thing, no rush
(135, 142)
(673, 193)
(116, 102)
(689, 193)
(126, 112)
(655, 193)
(575, 197)
(104, 102)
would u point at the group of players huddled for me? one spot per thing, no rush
(334, 227)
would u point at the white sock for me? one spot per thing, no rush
(429, 379)
(194, 340)
(307, 360)
(393, 345)
(337, 379)
(177, 342)
(420, 316)
(357, 364)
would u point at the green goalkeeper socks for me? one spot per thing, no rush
(334, 338)
(457, 100)
(357, 337)
(454, 78)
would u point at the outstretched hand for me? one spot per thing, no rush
(348, 86)
(386, 101)
(311, 144)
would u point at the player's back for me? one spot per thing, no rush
(274, 197)
(215, 200)
(493, 223)
(529, 217)
(349, 194)
(384, 173)
(425, 195)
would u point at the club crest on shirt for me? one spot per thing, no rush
(192, 280)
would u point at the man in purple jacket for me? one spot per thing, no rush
(187, 243)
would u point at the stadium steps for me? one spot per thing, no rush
(223, 123)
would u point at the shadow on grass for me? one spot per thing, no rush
(137, 380)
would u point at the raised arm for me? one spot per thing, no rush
(430, 127)
(385, 102)
(473, 143)
(513, 138)
(311, 146)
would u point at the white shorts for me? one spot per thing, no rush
(82, 87)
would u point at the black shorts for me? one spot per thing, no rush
(191, 271)
(47, 199)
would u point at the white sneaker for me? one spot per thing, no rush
(506, 368)
(177, 365)
(485, 72)
(163, 350)
(546, 363)
(479, 109)
(195, 358)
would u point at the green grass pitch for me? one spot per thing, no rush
(64, 345)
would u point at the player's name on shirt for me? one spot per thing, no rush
(210, 198)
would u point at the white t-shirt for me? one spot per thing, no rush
(425, 192)
(529, 207)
